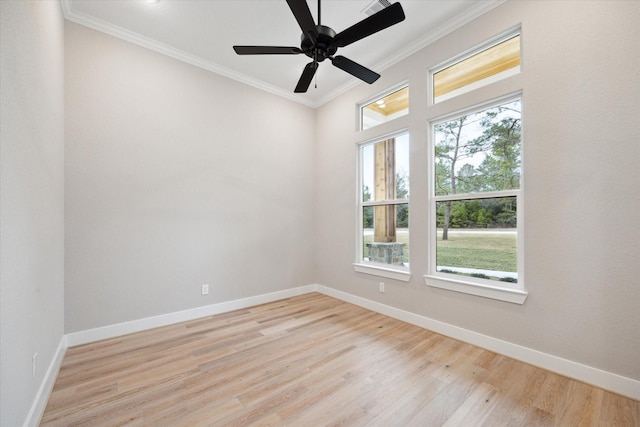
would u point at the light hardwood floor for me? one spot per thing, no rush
(313, 360)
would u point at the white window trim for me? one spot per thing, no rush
(517, 296)
(369, 267)
(469, 285)
(382, 270)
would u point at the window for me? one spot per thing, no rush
(383, 236)
(493, 61)
(475, 232)
(384, 108)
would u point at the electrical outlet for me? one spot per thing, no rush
(381, 286)
(204, 290)
(34, 364)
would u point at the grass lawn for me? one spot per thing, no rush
(482, 249)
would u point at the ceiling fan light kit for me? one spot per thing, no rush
(320, 42)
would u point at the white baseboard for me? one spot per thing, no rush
(42, 397)
(597, 377)
(119, 329)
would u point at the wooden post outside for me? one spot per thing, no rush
(385, 189)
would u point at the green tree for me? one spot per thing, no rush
(492, 139)
(468, 179)
(367, 211)
(482, 218)
(459, 215)
(449, 150)
(501, 140)
(402, 192)
(366, 193)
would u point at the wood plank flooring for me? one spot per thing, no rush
(313, 360)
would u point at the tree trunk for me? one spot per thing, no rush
(452, 172)
(447, 216)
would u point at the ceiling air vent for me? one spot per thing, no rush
(376, 6)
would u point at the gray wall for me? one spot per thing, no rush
(176, 177)
(31, 199)
(581, 130)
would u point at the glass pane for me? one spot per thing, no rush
(486, 66)
(385, 234)
(385, 169)
(387, 108)
(479, 152)
(478, 238)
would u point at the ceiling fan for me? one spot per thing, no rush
(320, 42)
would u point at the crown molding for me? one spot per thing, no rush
(73, 15)
(478, 9)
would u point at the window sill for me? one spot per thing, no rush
(516, 296)
(389, 273)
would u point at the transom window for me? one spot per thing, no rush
(385, 108)
(496, 60)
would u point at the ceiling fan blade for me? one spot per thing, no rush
(379, 21)
(306, 77)
(301, 11)
(355, 69)
(266, 50)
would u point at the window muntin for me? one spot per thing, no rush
(487, 64)
(384, 202)
(476, 190)
(385, 108)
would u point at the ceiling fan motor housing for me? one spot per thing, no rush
(320, 49)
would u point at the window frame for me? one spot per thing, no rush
(466, 284)
(401, 273)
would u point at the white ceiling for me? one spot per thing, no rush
(202, 33)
